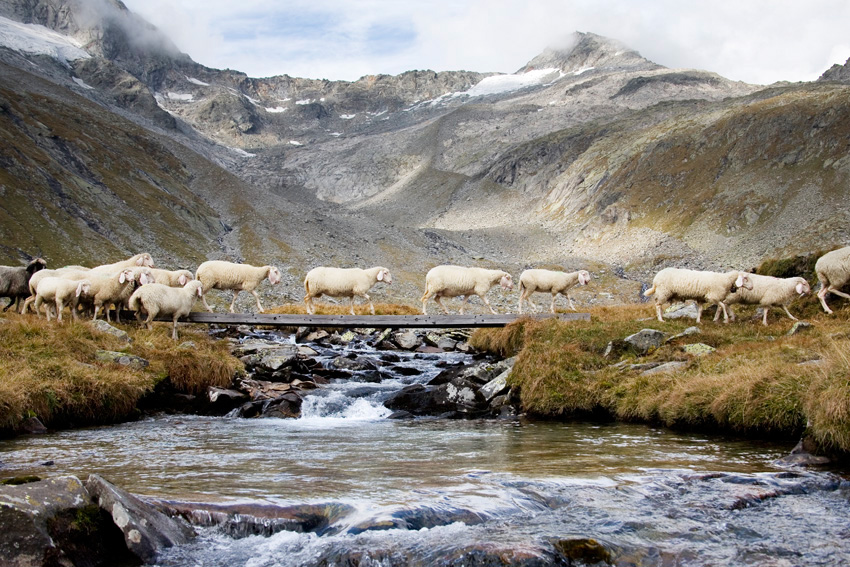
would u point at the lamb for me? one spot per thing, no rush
(173, 278)
(551, 281)
(218, 274)
(343, 282)
(704, 287)
(768, 291)
(60, 291)
(14, 282)
(452, 281)
(833, 270)
(159, 299)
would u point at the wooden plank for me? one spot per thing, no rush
(367, 321)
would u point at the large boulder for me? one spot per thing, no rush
(147, 531)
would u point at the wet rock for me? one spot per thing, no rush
(286, 406)
(122, 358)
(307, 351)
(674, 366)
(646, 340)
(401, 414)
(429, 349)
(615, 349)
(317, 336)
(804, 454)
(405, 371)
(32, 425)
(104, 327)
(460, 397)
(496, 386)
(147, 531)
(583, 550)
(408, 340)
(223, 400)
(55, 522)
(354, 365)
(698, 349)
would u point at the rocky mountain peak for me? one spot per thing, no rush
(840, 73)
(586, 51)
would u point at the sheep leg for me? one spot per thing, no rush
(233, 303)
(207, 305)
(822, 296)
(487, 303)
(785, 307)
(11, 301)
(439, 301)
(658, 312)
(351, 304)
(371, 305)
(96, 309)
(699, 311)
(256, 296)
(59, 308)
(47, 310)
(765, 309)
(570, 300)
(531, 303)
(27, 304)
(463, 304)
(174, 329)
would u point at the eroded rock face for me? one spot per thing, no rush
(146, 530)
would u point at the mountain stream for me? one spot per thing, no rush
(462, 492)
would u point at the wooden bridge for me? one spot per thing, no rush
(368, 321)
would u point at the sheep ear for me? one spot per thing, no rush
(143, 279)
(380, 275)
(739, 282)
(182, 279)
(200, 291)
(140, 261)
(800, 288)
(79, 289)
(122, 277)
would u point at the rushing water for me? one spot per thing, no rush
(443, 492)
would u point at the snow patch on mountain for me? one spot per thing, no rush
(39, 40)
(499, 84)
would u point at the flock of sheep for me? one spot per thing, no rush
(137, 285)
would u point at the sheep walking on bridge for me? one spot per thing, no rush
(833, 270)
(454, 281)
(218, 274)
(703, 287)
(343, 282)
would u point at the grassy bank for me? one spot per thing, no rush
(759, 381)
(49, 370)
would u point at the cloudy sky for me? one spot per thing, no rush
(758, 41)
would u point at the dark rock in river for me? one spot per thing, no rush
(147, 531)
(459, 397)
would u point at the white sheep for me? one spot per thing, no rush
(173, 278)
(452, 281)
(139, 260)
(218, 274)
(768, 292)
(552, 282)
(159, 299)
(60, 292)
(67, 272)
(833, 270)
(343, 282)
(703, 287)
(108, 289)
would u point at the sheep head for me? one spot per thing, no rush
(507, 281)
(583, 277)
(385, 276)
(274, 275)
(802, 287)
(83, 288)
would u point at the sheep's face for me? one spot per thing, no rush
(583, 277)
(743, 281)
(126, 276)
(274, 275)
(145, 260)
(507, 282)
(803, 287)
(84, 287)
(385, 276)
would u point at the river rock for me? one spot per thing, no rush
(407, 340)
(147, 531)
(32, 425)
(354, 364)
(496, 386)
(122, 358)
(459, 397)
(223, 400)
(646, 340)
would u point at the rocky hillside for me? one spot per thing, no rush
(587, 156)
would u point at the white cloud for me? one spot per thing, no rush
(758, 41)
